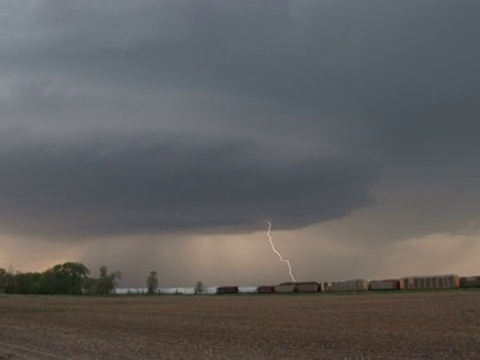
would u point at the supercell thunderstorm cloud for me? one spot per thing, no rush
(352, 125)
(156, 184)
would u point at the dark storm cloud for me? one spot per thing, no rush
(160, 185)
(333, 94)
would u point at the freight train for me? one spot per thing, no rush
(435, 282)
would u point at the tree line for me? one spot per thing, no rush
(70, 278)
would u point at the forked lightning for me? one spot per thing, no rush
(290, 272)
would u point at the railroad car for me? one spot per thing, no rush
(266, 289)
(470, 281)
(247, 289)
(308, 287)
(286, 288)
(350, 285)
(391, 284)
(227, 290)
(432, 282)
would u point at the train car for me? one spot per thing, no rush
(265, 289)
(308, 287)
(227, 290)
(286, 288)
(470, 281)
(391, 284)
(432, 282)
(350, 285)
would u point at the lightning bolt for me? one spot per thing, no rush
(290, 272)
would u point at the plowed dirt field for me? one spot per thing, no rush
(430, 325)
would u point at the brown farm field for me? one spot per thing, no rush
(434, 325)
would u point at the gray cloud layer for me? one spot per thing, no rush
(153, 184)
(285, 110)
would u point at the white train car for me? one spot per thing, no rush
(432, 282)
(350, 285)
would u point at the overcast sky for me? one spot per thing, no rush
(164, 134)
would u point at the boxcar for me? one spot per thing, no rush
(308, 287)
(432, 282)
(350, 285)
(227, 290)
(265, 289)
(285, 288)
(470, 281)
(387, 284)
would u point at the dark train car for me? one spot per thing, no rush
(470, 281)
(266, 289)
(308, 287)
(302, 287)
(390, 284)
(286, 288)
(227, 290)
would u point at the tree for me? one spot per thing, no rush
(64, 278)
(3, 280)
(88, 286)
(11, 281)
(152, 283)
(199, 287)
(106, 283)
(73, 274)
